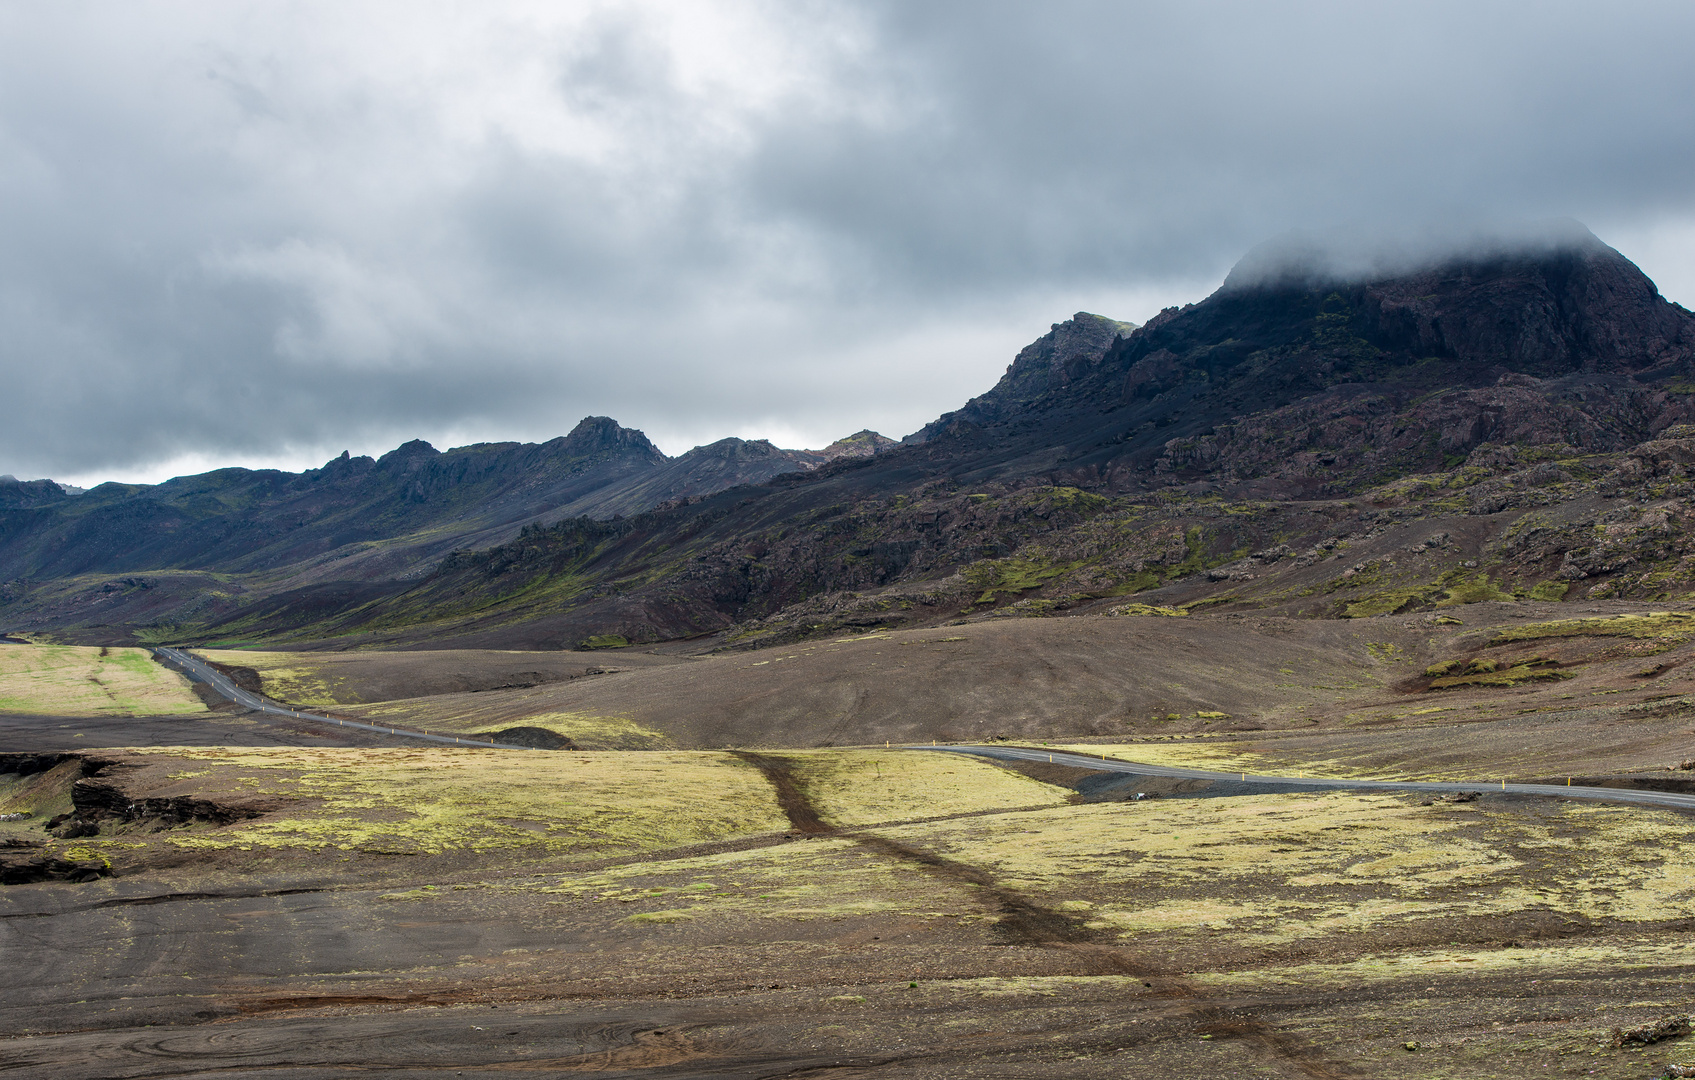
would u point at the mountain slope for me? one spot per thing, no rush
(1528, 374)
(1577, 316)
(240, 520)
(1225, 443)
(361, 518)
(705, 469)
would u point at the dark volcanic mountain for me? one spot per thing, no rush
(243, 520)
(1294, 410)
(359, 518)
(1569, 343)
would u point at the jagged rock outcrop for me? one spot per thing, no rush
(1559, 338)
(704, 470)
(862, 443)
(1066, 353)
(18, 494)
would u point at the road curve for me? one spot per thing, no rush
(200, 671)
(1084, 761)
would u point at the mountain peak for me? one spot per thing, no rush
(862, 443)
(1312, 258)
(1069, 351)
(417, 448)
(599, 434)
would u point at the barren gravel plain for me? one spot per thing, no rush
(758, 886)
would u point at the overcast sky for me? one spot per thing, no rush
(264, 233)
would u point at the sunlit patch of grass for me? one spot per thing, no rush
(1148, 609)
(71, 680)
(864, 787)
(1045, 985)
(1228, 757)
(435, 800)
(1222, 757)
(820, 879)
(1276, 868)
(1672, 625)
(298, 678)
(486, 714)
(1544, 960)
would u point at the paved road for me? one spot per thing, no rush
(1084, 761)
(201, 671)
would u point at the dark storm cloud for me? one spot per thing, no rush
(1089, 139)
(264, 231)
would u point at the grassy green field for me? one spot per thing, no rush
(290, 677)
(852, 787)
(434, 800)
(72, 680)
(489, 714)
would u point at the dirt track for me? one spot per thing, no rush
(1025, 922)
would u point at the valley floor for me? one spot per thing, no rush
(233, 894)
(857, 911)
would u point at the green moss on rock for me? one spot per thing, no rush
(1675, 625)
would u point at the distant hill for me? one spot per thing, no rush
(363, 519)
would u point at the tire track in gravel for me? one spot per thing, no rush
(1026, 922)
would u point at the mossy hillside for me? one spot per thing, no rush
(1488, 672)
(1670, 626)
(1450, 589)
(866, 787)
(1035, 550)
(437, 801)
(1110, 548)
(509, 595)
(606, 641)
(1549, 591)
(1145, 610)
(1063, 545)
(540, 570)
(70, 680)
(991, 578)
